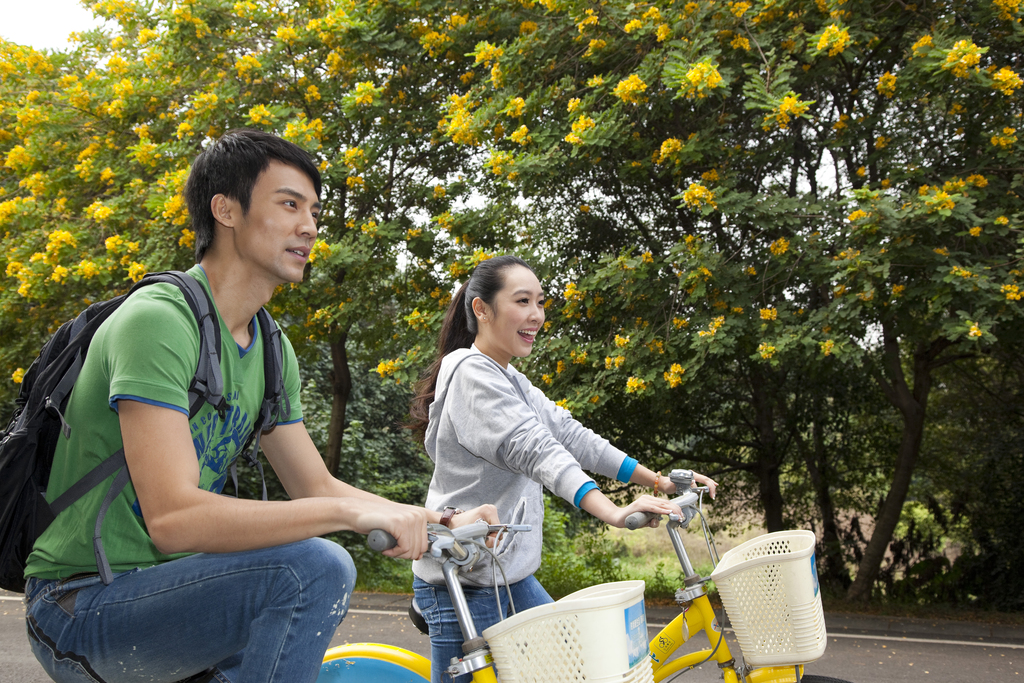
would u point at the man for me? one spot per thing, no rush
(205, 586)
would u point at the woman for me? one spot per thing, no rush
(495, 438)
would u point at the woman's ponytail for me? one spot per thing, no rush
(454, 335)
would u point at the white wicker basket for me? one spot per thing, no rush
(769, 587)
(596, 634)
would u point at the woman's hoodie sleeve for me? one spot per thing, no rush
(491, 420)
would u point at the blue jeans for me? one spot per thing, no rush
(445, 635)
(256, 616)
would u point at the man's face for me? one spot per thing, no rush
(275, 237)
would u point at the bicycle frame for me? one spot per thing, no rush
(697, 616)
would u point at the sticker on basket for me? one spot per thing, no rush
(814, 573)
(636, 633)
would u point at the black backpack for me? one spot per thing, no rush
(28, 444)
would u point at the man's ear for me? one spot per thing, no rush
(224, 210)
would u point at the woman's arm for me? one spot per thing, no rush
(645, 477)
(598, 504)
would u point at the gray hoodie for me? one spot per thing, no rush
(495, 438)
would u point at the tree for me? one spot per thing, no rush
(97, 142)
(748, 196)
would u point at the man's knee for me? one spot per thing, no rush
(325, 564)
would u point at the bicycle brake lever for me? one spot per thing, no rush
(510, 527)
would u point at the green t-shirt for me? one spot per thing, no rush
(147, 351)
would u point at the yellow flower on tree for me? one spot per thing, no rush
(245, 65)
(365, 93)
(579, 126)
(59, 273)
(790, 107)
(779, 246)
(18, 376)
(516, 107)
(886, 84)
(674, 376)
(1006, 81)
(87, 269)
(698, 196)
(521, 136)
(635, 385)
(486, 53)
(1007, 8)
(924, 44)
(669, 148)
(260, 114)
(136, 270)
(964, 56)
(834, 39)
(98, 211)
(631, 90)
(596, 45)
(700, 79)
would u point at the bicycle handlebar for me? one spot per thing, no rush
(381, 540)
(687, 500)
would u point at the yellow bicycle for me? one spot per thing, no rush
(776, 618)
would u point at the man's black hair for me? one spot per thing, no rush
(231, 166)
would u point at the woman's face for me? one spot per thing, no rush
(506, 329)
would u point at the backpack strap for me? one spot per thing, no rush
(208, 383)
(273, 395)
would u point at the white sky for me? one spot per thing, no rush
(44, 24)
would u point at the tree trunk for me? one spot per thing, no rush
(341, 389)
(834, 572)
(771, 491)
(912, 404)
(768, 457)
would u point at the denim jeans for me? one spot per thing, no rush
(445, 635)
(256, 616)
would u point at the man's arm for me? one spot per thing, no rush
(302, 471)
(181, 517)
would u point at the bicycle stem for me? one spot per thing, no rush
(459, 603)
(684, 559)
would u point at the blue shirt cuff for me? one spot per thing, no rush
(582, 491)
(626, 470)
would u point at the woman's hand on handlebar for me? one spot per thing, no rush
(665, 485)
(706, 481)
(597, 504)
(645, 503)
(486, 512)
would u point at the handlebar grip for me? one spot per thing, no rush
(380, 540)
(639, 519)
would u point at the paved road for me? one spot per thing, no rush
(861, 649)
